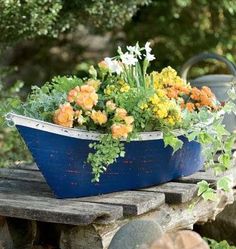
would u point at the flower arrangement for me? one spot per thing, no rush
(121, 98)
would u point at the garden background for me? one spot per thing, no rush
(43, 38)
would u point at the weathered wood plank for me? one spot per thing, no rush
(175, 192)
(209, 176)
(26, 166)
(21, 174)
(57, 211)
(197, 177)
(25, 188)
(133, 202)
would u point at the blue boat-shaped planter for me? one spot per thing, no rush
(61, 153)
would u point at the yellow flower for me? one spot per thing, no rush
(64, 115)
(161, 93)
(170, 121)
(94, 83)
(155, 100)
(99, 117)
(125, 88)
(167, 77)
(109, 89)
(162, 113)
(143, 106)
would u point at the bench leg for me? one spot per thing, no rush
(80, 237)
(23, 232)
(5, 238)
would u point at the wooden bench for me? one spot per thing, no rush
(28, 207)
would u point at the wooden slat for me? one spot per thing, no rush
(25, 188)
(133, 202)
(57, 211)
(21, 174)
(197, 177)
(209, 176)
(28, 166)
(176, 192)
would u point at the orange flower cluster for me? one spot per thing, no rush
(176, 91)
(120, 130)
(99, 117)
(84, 96)
(64, 115)
(202, 97)
(196, 97)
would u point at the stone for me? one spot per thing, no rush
(180, 240)
(224, 226)
(79, 237)
(136, 234)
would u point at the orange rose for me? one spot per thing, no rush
(72, 95)
(64, 115)
(121, 113)
(129, 120)
(111, 106)
(87, 97)
(120, 130)
(99, 117)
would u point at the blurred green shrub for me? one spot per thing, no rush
(32, 18)
(12, 147)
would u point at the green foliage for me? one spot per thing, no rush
(183, 28)
(12, 148)
(107, 150)
(205, 191)
(173, 141)
(20, 19)
(219, 245)
(32, 18)
(42, 102)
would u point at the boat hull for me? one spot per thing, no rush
(62, 161)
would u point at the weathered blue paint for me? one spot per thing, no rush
(61, 160)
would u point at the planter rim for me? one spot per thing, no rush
(16, 119)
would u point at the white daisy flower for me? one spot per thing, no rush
(128, 59)
(113, 65)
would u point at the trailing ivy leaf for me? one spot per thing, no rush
(229, 142)
(173, 141)
(191, 136)
(202, 187)
(224, 183)
(209, 195)
(225, 160)
(221, 131)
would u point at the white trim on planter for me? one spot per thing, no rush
(15, 119)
